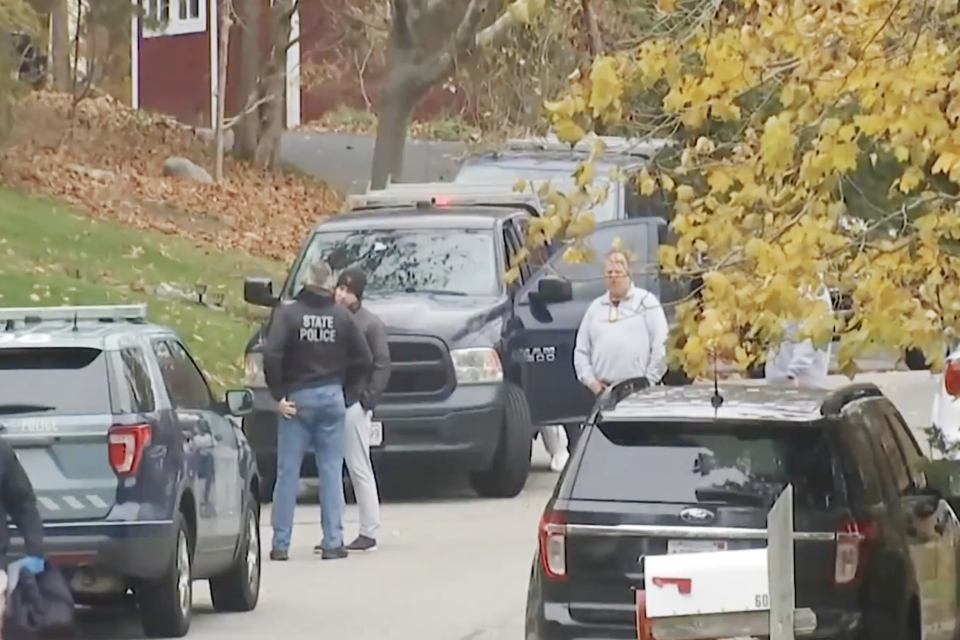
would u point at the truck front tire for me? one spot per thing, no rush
(507, 476)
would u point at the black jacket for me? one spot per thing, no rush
(18, 501)
(369, 389)
(313, 341)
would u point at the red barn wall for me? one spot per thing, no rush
(175, 75)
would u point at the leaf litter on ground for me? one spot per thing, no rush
(109, 161)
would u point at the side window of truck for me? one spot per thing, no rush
(513, 244)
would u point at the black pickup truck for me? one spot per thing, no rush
(435, 277)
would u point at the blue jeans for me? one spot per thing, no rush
(319, 422)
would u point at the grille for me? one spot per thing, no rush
(419, 367)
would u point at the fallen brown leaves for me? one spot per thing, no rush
(110, 163)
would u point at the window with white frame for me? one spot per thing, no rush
(174, 17)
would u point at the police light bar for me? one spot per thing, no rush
(444, 194)
(101, 312)
(612, 145)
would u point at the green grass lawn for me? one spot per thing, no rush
(51, 255)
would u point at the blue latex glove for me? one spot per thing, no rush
(33, 564)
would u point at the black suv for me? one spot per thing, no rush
(661, 470)
(435, 277)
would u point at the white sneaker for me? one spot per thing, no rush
(559, 461)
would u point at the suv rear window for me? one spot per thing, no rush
(730, 464)
(53, 380)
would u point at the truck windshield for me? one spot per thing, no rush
(437, 261)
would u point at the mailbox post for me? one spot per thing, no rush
(726, 594)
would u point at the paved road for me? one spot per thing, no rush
(451, 567)
(344, 159)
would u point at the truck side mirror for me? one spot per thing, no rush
(258, 290)
(553, 289)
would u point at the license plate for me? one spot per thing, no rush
(376, 433)
(695, 546)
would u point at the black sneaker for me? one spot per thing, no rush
(279, 555)
(331, 554)
(362, 543)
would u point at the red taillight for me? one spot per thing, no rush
(851, 538)
(951, 378)
(553, 545)
(126, 443)
(441, 201)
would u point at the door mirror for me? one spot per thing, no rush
(554, 289)
(258, 290)
(239, 401)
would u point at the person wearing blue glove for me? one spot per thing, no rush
(18, 501)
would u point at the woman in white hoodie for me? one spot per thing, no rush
(799, 361)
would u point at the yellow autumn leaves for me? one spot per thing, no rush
(777, 108)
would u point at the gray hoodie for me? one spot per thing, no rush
(369, 388)
(808, 365)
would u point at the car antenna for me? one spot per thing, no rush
(75, 327)
(717, 400)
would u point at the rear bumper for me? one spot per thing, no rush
(554, 622)
(462, 429)
(123, 550)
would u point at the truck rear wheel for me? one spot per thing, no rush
(507, 476)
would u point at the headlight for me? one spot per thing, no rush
(477, 365)
(253, 370)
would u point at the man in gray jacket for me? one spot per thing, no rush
(362, 395)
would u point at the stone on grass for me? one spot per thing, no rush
(182, 168)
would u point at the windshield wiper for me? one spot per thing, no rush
(434, 292)
(721, 494)
(12, 408)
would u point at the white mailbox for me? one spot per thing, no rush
(690, 584)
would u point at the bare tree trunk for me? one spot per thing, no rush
(595, 40)
(268, 146)
(60, 45)
(226, 22)
(393, 117)
(247, 134)
(267, 154)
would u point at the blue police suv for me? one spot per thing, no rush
(144, 479)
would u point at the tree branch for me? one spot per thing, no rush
(465, 40)
(247, 110)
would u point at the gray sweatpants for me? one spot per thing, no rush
(357, 456)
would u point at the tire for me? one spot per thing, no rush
(915, 360)
(507, 476)
(268, 478)
(166, 604)
(238, 589)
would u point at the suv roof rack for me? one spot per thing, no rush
(612, 145)
(439, 194)
(28, 315)
(834, 403)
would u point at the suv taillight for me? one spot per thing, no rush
(951, 378)
(851, 538)
(553, 544)
(126, 443)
